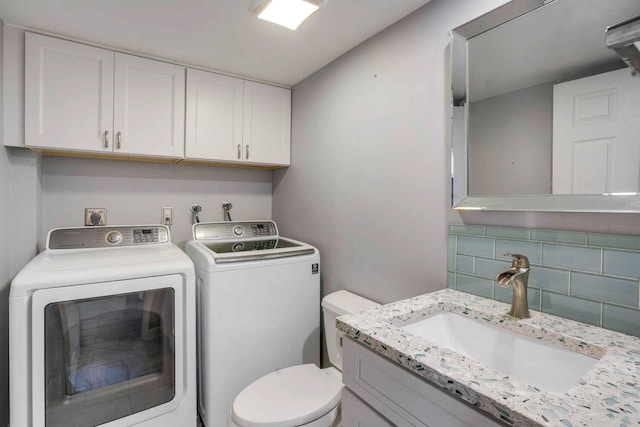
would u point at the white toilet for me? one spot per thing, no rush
(302, 395)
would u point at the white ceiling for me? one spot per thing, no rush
(221, 35)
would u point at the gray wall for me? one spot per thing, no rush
(5, 265)
(135, 192)
(5, 279)
(20, 226)
(368, 183)
(509, 149)
(19, 219)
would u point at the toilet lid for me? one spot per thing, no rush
(288, 397)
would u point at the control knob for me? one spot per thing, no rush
(114, 237)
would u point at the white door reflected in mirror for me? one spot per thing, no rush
(596, 123)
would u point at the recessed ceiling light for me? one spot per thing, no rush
(288, 13)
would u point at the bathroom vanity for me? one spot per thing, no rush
(396, 374)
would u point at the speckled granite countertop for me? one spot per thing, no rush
(609, 395)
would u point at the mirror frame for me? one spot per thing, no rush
(460, 199)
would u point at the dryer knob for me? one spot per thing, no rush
(238, 230)
(114, 237)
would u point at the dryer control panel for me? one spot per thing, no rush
(107, 237)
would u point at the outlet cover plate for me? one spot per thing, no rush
(167, 216)
(95, 216)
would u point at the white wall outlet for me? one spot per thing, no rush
(95, 216)
(167, 216)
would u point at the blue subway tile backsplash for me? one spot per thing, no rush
(621, 319)
(621, 263)
(464, 264)
(572, 257)
(558, 236)
(551, 279)
(614, 241)
(474, 285)
(603, 288)
(585, 311)
(588, 277)
(489, 267)
(509, 233)
(475, 246)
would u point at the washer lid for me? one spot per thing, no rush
(288, 397)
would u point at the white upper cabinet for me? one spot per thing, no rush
(83, 99)
(87, 99)
(267, 124)
(68, 95)
(230, 120)
(148, 107)
(214, 117)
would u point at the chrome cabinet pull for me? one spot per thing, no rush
(247, 152)
(119, 139)
(239, 152)
(106, 139)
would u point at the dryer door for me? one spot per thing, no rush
(106, 352)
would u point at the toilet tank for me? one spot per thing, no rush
(336, 304)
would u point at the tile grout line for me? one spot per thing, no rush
(540, 300)
(601, 313)
(601, 261)
(455, 254)
(541, 253)
(495, 243)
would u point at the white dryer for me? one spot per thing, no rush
(258, 308)
(102, 331)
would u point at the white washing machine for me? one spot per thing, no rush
(258, 308)
(102, 331)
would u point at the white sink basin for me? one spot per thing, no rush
(535, 362)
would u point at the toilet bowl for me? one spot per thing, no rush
(302, 395)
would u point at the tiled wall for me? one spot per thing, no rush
(588, 277)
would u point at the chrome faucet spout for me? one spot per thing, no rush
(518, 277)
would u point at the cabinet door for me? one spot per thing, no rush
(356, 413)
(401, 396)
(148, 107)
(267, 124)
(214, 117)
(68, 95)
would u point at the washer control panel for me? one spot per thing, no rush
(106, 237)
(230, 230)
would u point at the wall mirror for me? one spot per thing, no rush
(545, 116)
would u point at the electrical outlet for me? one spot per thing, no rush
(95, 216)
(167, 216)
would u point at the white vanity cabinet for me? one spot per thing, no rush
(230, 120)
(82, 98)
(380, 391)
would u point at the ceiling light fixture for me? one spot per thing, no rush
(288, 13)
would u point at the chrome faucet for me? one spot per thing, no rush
(517, 276)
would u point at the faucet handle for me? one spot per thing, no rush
(519, 261)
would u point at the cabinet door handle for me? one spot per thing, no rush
(106, 139)
(247, 152)
(239, 151)
(119, 139)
